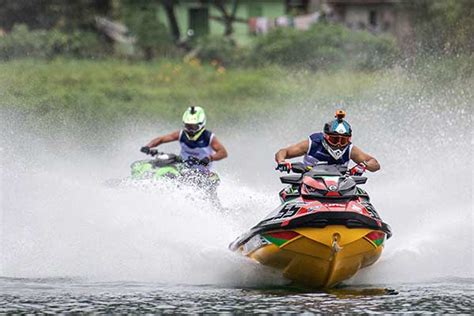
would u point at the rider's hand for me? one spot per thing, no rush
(284, 166)
(192, 161)
(145, 150)
(153, 152)
(205, 161)
(358, 170)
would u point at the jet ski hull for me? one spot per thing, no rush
(317, 257)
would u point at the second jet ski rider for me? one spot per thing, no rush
(333, 146)
(197, 142)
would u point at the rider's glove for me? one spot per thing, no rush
(284, 166)
(153, 152)
(205, 161)
(145, 149)
(359, 169)
(192, 161)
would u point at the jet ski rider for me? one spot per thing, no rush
(197, 143)
(332, 146)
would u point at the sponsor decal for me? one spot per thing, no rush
(253, 244)
(314, 208)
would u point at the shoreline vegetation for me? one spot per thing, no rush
(112, 90)
(64, 73)
(99, 100)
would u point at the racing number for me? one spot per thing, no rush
(288, 211)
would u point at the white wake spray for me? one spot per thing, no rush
(59, 219)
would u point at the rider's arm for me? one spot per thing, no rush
(220, 151)
(174, 136)
(358, 156)
(292, 151)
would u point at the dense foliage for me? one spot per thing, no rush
(40, 43)
(51, 28)
(47, 14)
(152, 36)
(324, 46)
(443, 26)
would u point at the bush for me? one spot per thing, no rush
(220, 49)
(21, 42)
(152, 36)
(85, 45)
(323, 46)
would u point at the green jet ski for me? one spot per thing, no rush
(162, 166)
(171, 166)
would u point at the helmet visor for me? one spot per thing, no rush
(192, 127)
(338, 140)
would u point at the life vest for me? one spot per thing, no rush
(198, 148)
(317, 152)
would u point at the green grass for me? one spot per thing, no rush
(113, 90)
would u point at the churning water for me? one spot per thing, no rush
(71, 243)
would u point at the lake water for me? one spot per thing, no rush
(69, 295)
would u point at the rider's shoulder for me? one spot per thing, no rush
(207, 134)
(316, 137)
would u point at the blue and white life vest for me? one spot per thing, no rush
(198, 148)
(317, 152)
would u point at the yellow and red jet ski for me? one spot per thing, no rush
(325, 230)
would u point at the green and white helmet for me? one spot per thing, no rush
(194, 120)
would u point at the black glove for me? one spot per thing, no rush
(284, 166)
(153, 152)
(192, 161)
(205, 161)
(145, 150)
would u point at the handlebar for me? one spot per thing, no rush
(296, 167)
(191, 161)
(299, 167)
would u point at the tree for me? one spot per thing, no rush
(172, 21)
(141, 16)
(228, 18)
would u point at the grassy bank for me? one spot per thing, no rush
(111, 90)
(94, 102)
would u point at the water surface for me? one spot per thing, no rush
(72, 295)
